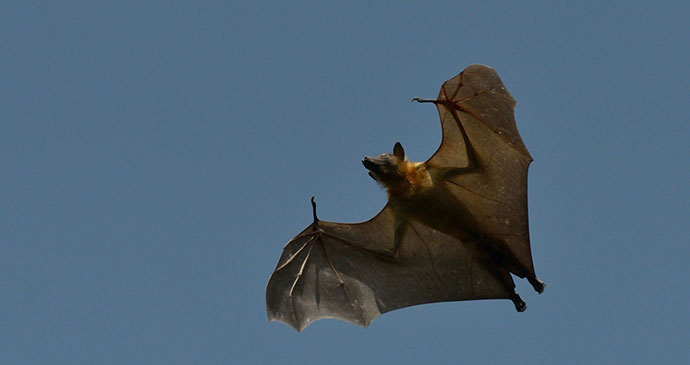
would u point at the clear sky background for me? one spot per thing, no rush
(157, 155)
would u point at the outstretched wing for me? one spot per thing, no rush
(343, 271)
(496, 193)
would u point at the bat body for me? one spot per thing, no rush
(455, 226)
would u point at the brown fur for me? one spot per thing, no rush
(418, 193)
(415, 181)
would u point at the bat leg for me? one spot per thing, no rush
(505, 258)
(520, 305)
(537, 284)
(504, 275)
(521, 272)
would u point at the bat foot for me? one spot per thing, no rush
(537, 284)
(520, 305)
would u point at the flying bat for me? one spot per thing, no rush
(455, 227)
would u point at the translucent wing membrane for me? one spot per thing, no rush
(336, 270)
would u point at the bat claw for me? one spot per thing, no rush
(420, 100)
(313, 209)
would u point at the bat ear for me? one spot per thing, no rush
(398, 151)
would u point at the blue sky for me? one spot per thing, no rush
(157, 155)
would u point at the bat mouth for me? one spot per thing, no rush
(372, 166)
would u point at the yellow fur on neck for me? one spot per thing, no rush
(416, 179)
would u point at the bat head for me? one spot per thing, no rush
(387, 168)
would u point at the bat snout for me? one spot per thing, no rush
(372, 166)
(368, 163)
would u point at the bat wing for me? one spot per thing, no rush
(496, 193)
(336, 270)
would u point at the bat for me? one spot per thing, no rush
(455, 227)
